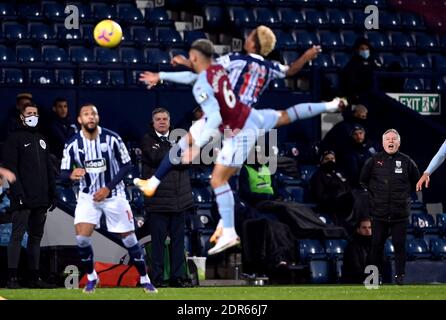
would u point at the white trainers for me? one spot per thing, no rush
(224, 242)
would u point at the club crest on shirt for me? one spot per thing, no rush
(42, 144)
(398, 167)
(104, 147)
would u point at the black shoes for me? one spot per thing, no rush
(40, 284)
(13, 283)
(399, 279)
(180, 283)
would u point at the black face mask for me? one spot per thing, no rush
(328, 166)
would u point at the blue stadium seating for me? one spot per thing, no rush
(349, 38)
(330, 40)
(266, 17)
(214, 17)
(257, 3)
(389, 59)
(87, 32)
(65, 77)
(157, 56)
(350, 3)
(81, 55)
(381, 4)
(390, 21)
(402, 41)
(131, 55)
(289, 56)
(54, 54)
(328, 3)
(7, 11)
(202, 220)
(307, 171)
(70, 35)
(379, 41)
(278, 84)
(106, 55)
(418, 63)
(14, 31)
(103, 11)
(178, 52)
(93, 78)
(7, 54)
(29, 11)
(42, 76)
(66, 197)
(359, 18)
(323, 61)
(319, 271)
(411, 21)
(202, 242)
(285, 41)
(41, 32)
(339, 19)
(144, 36)
(54, 11)
(192, 35)
(12, 76)
(241, 17)
(169, 37)
(85, 12)
(413, 85)
(316, 18)
(439, 62)
(129, 13)
(334, 248)
(443, 41)
(202, 197)
(438, 248)
(311, 250)
(389, 250)
(296, 193)
(426, 42)
(417, 249)
(341, 59)
(291, 18)
(157, 16)
(441, 223)
(305, 39)
(26, 53)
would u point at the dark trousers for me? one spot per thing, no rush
(161, 225)
(380, 233)
(32, 221)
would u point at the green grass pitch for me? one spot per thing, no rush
(309, 292)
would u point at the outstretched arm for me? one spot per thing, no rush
(436, 161)
(182, 77)
(298, 64)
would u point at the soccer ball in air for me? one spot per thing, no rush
(107, 33)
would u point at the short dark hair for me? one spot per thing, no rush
(86, 104)
(361, 220)
(204, 46)
(59, 99)
(160, 110)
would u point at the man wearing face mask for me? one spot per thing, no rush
(357, 75)
(331, 190)
(32, 194)
(390, 177)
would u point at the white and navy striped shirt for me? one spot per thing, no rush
(101, 158)
(251, 74)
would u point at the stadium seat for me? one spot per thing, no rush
(7, 54)
(53, 54)
(131, 55)
(70, 35)
(14, 31)
(54, 11)
(289, 57)
(192, 35)
(257, 3)
(66, 197)
(157, 16)
(339, 19)
(27, 53)
(434, 85)
(41, 32)
(311, 250)
(296, 193)
(379, 41)
(65, 77)
(143, 36)
(402, 41)
(413, 85)
(87, 32)
(334, 248)
(157, 56)
(417, 249)
(93, 78)
(202, 197)
(441, 223)
(319, 271)
(214, 17)
(359, 18)
(389, 250)
(178, 52)
(349, 38)
(7, 11)
(411, 21)
(202, 220)
(106, 55)
(322, 61)
(266, 17)
(426, 42)
(328, 3)
(169, 37)
(381, 4)
(418, 63)
(202, 244)
(388, 59)
(390, 21)
(278, 84)
(439, 62)
(129, 13)
(330, 40)
(316, 18)
(12, 76)
(438, 248)
(103, 11)
(285, 41)
(41, 76)
(85, 12)
(306, 172)
(136, 197)
(341, 59)
(305, 39)
(291, 18)
(241, 17)
(350, 3)
(423, 223)
(29, 11)
(81, 55)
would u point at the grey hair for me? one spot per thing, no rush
(393, 131)
(160, 110)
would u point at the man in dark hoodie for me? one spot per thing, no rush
(356, 253)
(167, 208)
(33, 193)
(357, 75)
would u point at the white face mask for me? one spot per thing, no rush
(31, 121)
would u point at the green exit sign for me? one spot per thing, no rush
(424, 103)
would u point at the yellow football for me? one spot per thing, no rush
(107, 33)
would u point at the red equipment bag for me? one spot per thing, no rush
(114, 275)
